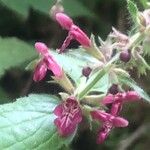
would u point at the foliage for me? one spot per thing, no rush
(28, 124)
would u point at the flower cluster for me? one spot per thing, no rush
(111, 119)
(47, 62)
(76, 105)
(74, 32)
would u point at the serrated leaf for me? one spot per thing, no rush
(28, 124)
(133, 10)
(131, 83)
(71, 6)
(14, 52)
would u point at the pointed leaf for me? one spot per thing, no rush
(28, 124)
(14, 52)
(133, 10)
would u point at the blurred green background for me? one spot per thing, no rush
(22, 22)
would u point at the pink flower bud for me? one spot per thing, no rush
(80, 36)
(40, 71)
(64, 20)
(41, 48)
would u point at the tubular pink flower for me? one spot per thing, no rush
(77, 34)
(47, 62)
(118, 99)
(68, 116)
(108, 123)
(65, 21)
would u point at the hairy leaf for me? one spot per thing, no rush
(133, 10)
(131, 83)
(14, 52)
(28, 124)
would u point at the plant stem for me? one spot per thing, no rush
(96, 77)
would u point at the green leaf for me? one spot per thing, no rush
(73, 7)
(28, 124)
(131, 83)
(14, 52)
(133, 10)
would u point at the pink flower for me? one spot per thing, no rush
(108, 123)
(68, 116)
(47, 62)
(74, 32)
(65, 21)
(118, 99)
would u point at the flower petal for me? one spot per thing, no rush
(41, 48)
(100, 115)
(131, 96)
(64, 20)
(53, 66)
(108, 99)
(58, 110)
(102, 135)
(40, 71)
(80, 36)
(120, 122)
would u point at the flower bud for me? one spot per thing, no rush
(86, 71)
(113, 89)
(125, 56)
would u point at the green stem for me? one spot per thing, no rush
(92, 82)
(95, 78)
